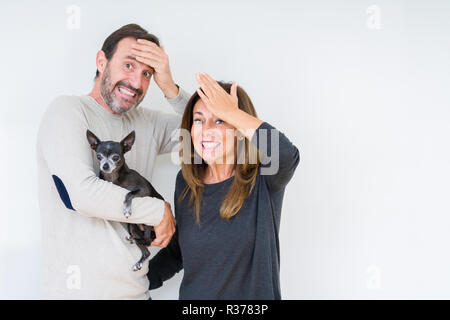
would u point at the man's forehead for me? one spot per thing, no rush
(123, 51)
(126, 42)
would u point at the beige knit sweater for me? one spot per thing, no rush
(85, 253)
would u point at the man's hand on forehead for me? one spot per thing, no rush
(154, 56)
(147, 52)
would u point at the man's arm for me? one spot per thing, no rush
(62, 141)
(168, 123)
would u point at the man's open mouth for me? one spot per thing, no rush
(127, 93)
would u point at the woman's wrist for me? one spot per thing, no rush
(244, 122)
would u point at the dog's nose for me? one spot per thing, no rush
(106, 166)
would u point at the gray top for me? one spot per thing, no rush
(237, 258)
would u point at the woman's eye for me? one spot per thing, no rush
(128, 66)
(219, 121)
(197, 121)
(147, 74)
(115, 158)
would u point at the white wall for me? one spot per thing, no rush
(361, 87)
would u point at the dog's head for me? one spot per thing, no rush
(110, 154)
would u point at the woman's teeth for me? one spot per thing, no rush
(210, 145)
(127, 92)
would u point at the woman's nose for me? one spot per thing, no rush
(208, 125)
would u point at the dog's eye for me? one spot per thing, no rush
(115, 158)
(99, 157)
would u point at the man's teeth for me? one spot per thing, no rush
(210, 144)
(127, 92)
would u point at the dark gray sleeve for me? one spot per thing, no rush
(279, 157)
(166, 263)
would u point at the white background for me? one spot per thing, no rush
(362, 91)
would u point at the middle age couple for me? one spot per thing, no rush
(227, 211)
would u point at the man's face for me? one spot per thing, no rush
(124, 81)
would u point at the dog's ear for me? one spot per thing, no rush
(128, 141)
(93, 140)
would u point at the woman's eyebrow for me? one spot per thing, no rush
(198, 113)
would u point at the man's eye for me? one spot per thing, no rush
(147, 74)
(116, 158)
(128, 66)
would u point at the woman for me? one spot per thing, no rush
(227, 211)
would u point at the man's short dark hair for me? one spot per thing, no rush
(129, 30)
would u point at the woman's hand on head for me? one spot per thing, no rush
(225, 106)
(217, 100)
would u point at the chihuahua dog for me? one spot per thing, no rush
(113, 168)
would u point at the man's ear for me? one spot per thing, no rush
(93, 140)
(128, 141)
(101, 61)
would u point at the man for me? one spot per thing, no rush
(85, 253)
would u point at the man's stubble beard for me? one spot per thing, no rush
(110, 97)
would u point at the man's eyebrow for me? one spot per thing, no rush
(134, 59)
(131, 58)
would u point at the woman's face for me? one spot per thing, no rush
(213, 139)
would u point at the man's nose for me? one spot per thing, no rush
(136, 81)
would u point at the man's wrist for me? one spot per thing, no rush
(171, 91)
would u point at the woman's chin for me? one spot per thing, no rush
(210, 160)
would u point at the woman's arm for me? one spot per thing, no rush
(279, 156)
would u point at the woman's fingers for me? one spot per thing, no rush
(210, 84)
(213, 83)
(206, 87)
(204, 98)
(233, 90)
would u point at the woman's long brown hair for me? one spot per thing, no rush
(246, 169)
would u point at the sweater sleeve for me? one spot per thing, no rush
(169, 123)
(279, 157)
(63, 144)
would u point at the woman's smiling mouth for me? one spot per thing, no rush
(209, 145)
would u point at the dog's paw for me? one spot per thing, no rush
(137, 266)
(127, 211)
(129, 239)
